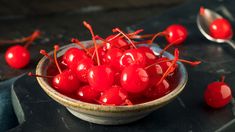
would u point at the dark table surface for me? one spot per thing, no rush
(187, 113)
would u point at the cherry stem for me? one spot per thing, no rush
(157, 35)
(118, 30)
(192, 63)
(43, 52)
(202, 10)
(176, 54)
(222, 78)
(88, 26)
(76, 41)
(56, 47)
(142, 36)
(34, 36)
(168, 46)
(35, 75)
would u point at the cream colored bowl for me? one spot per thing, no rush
(108, 115)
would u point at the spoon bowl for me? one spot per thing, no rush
(203, 23)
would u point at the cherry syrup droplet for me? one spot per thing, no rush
(221, 29)
(218, 94)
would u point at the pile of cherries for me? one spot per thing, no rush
(115, 71)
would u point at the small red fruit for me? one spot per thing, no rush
(113, 96)
(218, 94)
(87, 94)
(176, 34)
(17, 56)
(134, 79)
(221, 29)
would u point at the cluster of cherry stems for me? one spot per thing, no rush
(116, 71)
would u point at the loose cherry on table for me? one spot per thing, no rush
(176, 32)
(218, 94)
(18, 56)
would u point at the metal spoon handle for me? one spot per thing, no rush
(231, 43)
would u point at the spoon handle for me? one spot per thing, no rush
(231, 43)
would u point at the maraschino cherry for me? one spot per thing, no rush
(218, 94)
(66, 81)
(176, 32)
(134, 79)
(221, 29)
(100, 77)
(18, 56)
(114, 96)
(88, 94)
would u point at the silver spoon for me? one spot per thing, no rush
(203, 23)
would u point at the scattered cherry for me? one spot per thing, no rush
(218, 94)
(176, 32)
(18, 56)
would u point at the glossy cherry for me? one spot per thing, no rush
(82, 67)
(17, 56)
(221, 29)
(176, 33)
(218, 94)
(113, 96)
(149, 55)
(157, 91)
(131, 57)
(100, 77)
(115, 42)
(134, 79)
(88, 94)
(112, 58)
(66, 81)
(73, 54)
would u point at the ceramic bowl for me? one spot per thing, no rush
(109, 115)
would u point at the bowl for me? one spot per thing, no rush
(109, 115)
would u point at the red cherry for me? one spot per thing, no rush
(101, 77)
(113, 96)
(17, 56)
(87, 94)
(131, 57)
(115, 42)
(176, 34)
(73, 54)
(159, 90)
(66, 82)
(112, 58)
(81, 68)
(221, 29)
(134, 79)
(149, 55)
(217, 94)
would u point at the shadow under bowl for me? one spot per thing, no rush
(109, 115)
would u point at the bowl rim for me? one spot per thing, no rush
(73, 103)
